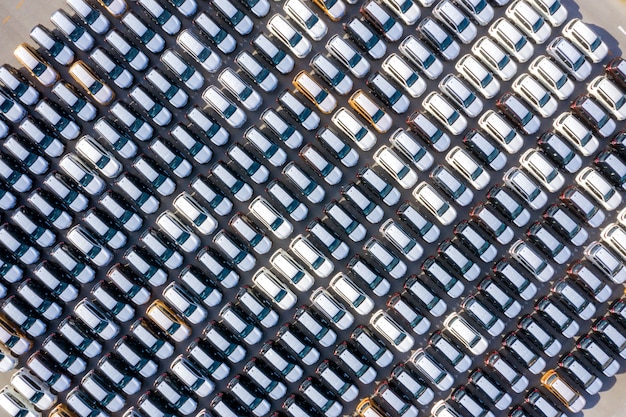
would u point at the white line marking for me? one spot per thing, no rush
(621, 29)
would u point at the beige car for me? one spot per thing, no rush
(314, 92)
(38, 67)
(366, 107)
(87, 79)
(168, 321)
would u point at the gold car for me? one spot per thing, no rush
(563, 391)
(61, 410)
(87, 79)
(366, 107)
(38, 67)
(367, 408)
(168, 321)
(316, 94)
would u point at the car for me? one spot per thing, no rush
(559, 151)
(223, 40)
(470, 402)
(306, 19)
(54, 46)
(371, 345)
(51, 208)
(496, 60)
(590, 281)
(129, 284)
(110, 132)
(183, 302)
(252, 168)
(217, 134)
(615, 71)
(319, 96)
(141, 129)
(409, 147)
(33, 389)
(521, 351)
(445, 113)
(583, 206)
(555, 316)
(274, 288)
(291, 270)
(455, 21)
(471, 170)
(285, 132)
(235, 17)
(241, 190)
(254, 69)
(473, 71)
(166, 320)
(299, 111)
(398, 402)
(77, 104)
(365, 38)
(389, 194)
(499, 296)
(249, 396)
(473, 239)
(18, 85)
(75, 32)
(606, 261)
(183, 71)
(535, 95)
(281, 362)
(563, 391)
(312, 257)
(57, 119)
(102, 392)
(234, 251)
(270, 217)
(569, 58)
(337, 380)
(92, 151)
(146, 36)
(552, 77)
(518, 112)
(242, 91)
(482, 315)
(370, 111)
(528, 257)
(572, 365)
(354, 129)
(169, 23)
(395, 166)
(504, 369)
(609, 95)
(525, 188)
(387, 259)
(575, 131)
(436, 36)
(337, 248)
(250, 233)
(599, 188)
(407, 11)
(451, 186)
(405, 76)
(341, 50)
(232, 114)
(608, 332)
(529, 21)
(15, 178)
(180, 233)
(434, 203)
(450, 351)
(296, 209)
(26, 155)
(538, 335)
(419, 55)
(612, 166)
(129, 52)
(612, 235)
(138, 193)
(277, 57)
(541, 403)
(331, 74)
(542, 169)
(512, 39)
(274, 154)
(511, 276)
(96, 319)
(84, 242)
(388, 93)
(154, 174)
(144, 264)
(586, 39)
(191, 376)
(370, 276)
(120, 75)
(552, 11)
(36, 65)
(267, 380)
(299, 344)
(330, 140)
(103, 227)
(196, 147)
(289, 36)
(199, 51)
(564, 224)
(330, 308)
(304, 183)
(498, 128)
(382, 21)
(13, 403)
(314, 325)
(174, 394)
(260, 8)
(355, 362)
(368, 208)
(462, 96)
(486, 151)
(430, 368)
(335, 10)
(596, 353)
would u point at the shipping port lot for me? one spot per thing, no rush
(606, 21)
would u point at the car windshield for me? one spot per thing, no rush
(388, 24)
(295, 39)
(245, 93)
(537, 25)
(543, 100)
(379, 114)
(561, 81)
(39, 69)
(520, 43)
(329, 3)
(620, 102)
(403, 171)
(487, 80)
(354, 60)
(469, 99)
(578, 63)
(321, 96)
(411, 79)
(428, 61)
(229, 110)
(453, 117)
(504, 61)
(95, 87)
(595, 44)
(311, 21)
(371, 42)
(463, 24)
(554, 7)
(445, 42)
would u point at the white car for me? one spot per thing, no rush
(501, 130)
(392, 331)
(223, 40)
(352, 294)
(137, 59)
(145, 35)
(401, 240)
(331, 309)
(569, 57)
(396, 167)
(422, 57)
(455, 21)
(234, 251)
(304, 183)
(331, 173)
(483, 81)
(270, 218)
(552, 77)
(354, 129)
(33, 389)
(469, 337)
(514, 41)
(435, 203)
(480, 11)
(183, 71)
(195, 213)
(95, 319)
(587, 41)
(394, 266)
(471, 170)
(138, 127)
(408, 146)
(271, 151)
(445, 113)
(311, 256)
(180, 300)
(163, 17)
(531, 260)
(84, 109)
(577, 133)
(461, 95)
(345, 53)
(402, 73)
(406, 10)
(289, 36)
(76, 169)
(17, 84)
(310, 22)
(543, 170)
(330, 72)
(35, 163)
(529, 21)
(120, 75)
(535, 94)
(73, 31)
(303, 114)
(187, 240)
(250, 233)
(609, 95)
(12, 110)
(551, 10)
(223, 106)
(271, 286)
(337, 248)
(258, 72)
(199, 51)
(88, 246)
(525, 187)
(242, 91)
(600, 188)
(58, 121)
(254, 169)
(91, 150)
(292, 270)
(235, 17)
(492, 55)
